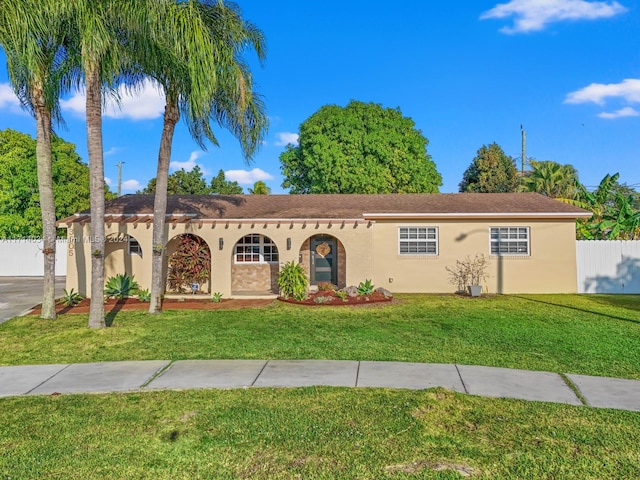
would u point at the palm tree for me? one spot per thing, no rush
(32, 34)
(260, 188)
(551, 179)
(205, 79)
(103, 32)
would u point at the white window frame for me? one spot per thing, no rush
(514, 237)
(422, 235)
(133, 246)
(254, 252)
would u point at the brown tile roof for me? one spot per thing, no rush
(228, 207)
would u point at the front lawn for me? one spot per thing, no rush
(311, 433)
(592, 335)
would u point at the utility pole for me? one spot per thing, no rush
(524, 149)
(119, 164)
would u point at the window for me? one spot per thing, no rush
(509, 240)
(133, 247)
(418, 240)
(255, 249)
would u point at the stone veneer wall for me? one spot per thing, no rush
(257, 278)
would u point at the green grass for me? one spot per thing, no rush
(592, 335)
(318, 433)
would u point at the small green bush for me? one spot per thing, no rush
(342, 295)
(365, 288)
(71, 298)
(144, 295)
(216, 297)
(121, 286)
(322, 299)
(292, 281)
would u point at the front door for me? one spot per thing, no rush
(324, 260)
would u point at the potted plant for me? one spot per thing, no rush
(469, 274)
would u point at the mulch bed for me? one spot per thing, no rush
(334, 301)
(128, 304)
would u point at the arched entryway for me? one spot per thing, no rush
(188, 262)
(324, 258)
(254, 266)
(122, 254)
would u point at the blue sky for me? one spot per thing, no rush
(467, 73)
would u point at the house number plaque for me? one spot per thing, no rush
(323, 249)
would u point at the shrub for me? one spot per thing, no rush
(469, 271)
(121, 286)
(292, 281)
(71, 298)
(366, 287)
(190, 263)
(144, 295)
(342, 295)
(216, 297)
(326, 287)
(322, 299)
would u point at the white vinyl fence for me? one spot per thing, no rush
(23, 258)
(608, 266)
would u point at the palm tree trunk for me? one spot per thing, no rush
(96, 172)
(171, 117)
(47, 205)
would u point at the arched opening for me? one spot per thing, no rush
(122, 254)
(325, 259)
(255, 266)
(188, 264)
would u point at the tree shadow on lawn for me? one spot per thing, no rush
(601, 299)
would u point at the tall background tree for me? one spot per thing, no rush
(360, 148)
(20, 206)
(182, 182)
(260, 188)
(491, 171)
(551, 179)
(219, 184)
(31, 34)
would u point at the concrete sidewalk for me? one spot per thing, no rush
(195, 374)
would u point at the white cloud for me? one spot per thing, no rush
(535, 15)
(146, 103)
(189, 164)
(628, 90)
(623, 112)
(247, 177)
(131, 186)
(113, 151)
(108, 181)
(8, 99)
(285, 138)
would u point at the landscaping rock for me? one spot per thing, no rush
(385, 292)
(351, 291)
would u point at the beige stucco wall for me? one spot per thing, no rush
(550, 267)
(370, 249)
(356, 239)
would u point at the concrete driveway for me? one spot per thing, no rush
(20, 294)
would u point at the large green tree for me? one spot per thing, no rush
(360, 148)
(205, 78)
(551, 179)
(491, 171)
(183, 182)
(219, 184)
(20, 205)
(31, 34)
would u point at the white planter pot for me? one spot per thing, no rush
(475, 290)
